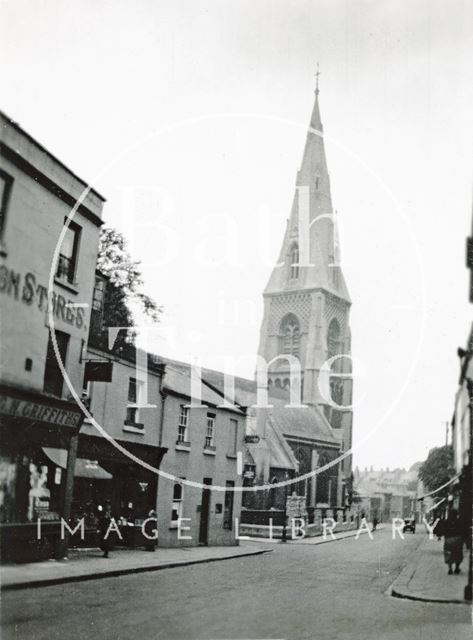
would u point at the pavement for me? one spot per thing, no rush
(88, 564)
(297, 592)
(425, 576)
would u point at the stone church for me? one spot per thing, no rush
(305, 338)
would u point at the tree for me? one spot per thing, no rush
(438, 468)
(124, 298)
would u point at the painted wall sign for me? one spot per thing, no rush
(26, 289)
(38, 411)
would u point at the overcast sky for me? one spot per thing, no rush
(192, 115)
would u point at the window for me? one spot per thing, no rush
(99, 293)
(177, 503)
(228, 509)
(233, 443)
(5, 189)
(290, 335)
(317, 182)
(294, 262)
(132, 410)
(209, 434)
(183, 424)
(66, 266)
(53, 378)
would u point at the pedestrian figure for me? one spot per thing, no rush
(375, 523)
(451, 530)
(104, 526)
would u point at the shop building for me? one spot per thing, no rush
(122, 440)
(38, 415)
(204, 445)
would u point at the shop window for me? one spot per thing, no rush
(53, 378)
(183, 426)
(233, 443)
(210, 431)
(6, 182)
(67, 262)
(132, 418)
(228, 509)
(177, 503)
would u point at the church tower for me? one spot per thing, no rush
(306, 301)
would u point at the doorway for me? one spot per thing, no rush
(204, 514)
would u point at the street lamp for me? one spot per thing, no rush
(284, 524)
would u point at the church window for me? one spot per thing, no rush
(294, 262)
(317, 181)
(290, 335)
(333, 339)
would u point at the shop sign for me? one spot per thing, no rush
(26, 289)
(38, 411)
(98, 371)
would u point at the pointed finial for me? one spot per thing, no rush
(317, 74)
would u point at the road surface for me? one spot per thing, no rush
(332, 591)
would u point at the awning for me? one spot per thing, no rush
(84, 468)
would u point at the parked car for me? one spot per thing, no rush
(409, 525)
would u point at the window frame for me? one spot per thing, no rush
(183, 424)
(177, 504)
(51, 365)
(294, 261)
(209, 442)
(68, 275)
(4, 205)
(132, 415)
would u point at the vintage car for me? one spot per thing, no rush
(409, 525)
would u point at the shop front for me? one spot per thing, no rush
(32, 486)
(129, 488)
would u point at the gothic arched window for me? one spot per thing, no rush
(290, 333)
(294, 261)
(333, 339)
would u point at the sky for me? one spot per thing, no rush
(190, 117)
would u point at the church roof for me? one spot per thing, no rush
(303, 422)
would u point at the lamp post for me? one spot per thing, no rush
(284, 524)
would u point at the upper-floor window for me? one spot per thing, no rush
(183, 426)
(53, 378)
(210, 431)
(132, 418)
(6, 182)
(290, 333)
(294, 262)
(233, 437)
(67, 262)
(99, 294)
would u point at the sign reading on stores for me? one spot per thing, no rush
(26, 289)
